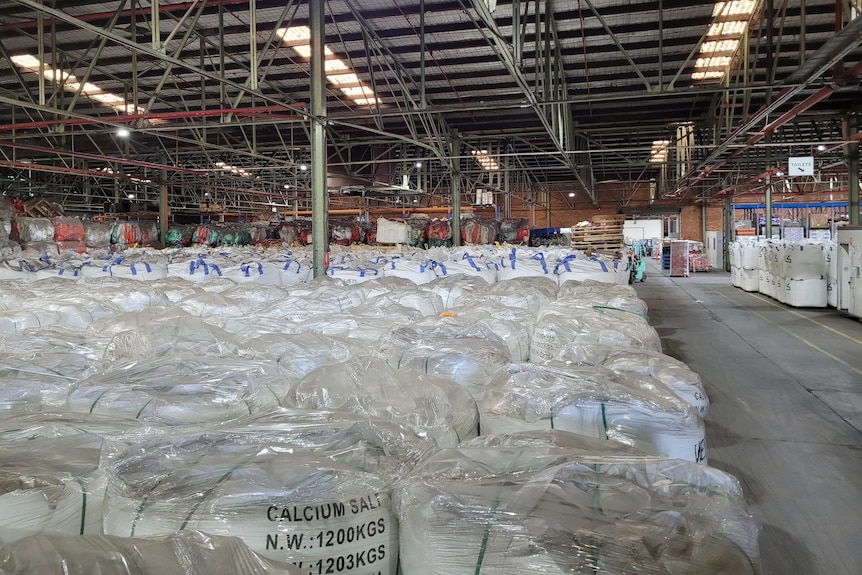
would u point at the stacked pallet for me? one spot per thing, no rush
(603, 233)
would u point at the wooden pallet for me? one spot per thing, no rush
(42, 208)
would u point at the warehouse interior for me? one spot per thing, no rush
(212, 175)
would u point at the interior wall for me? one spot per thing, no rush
(642, 229)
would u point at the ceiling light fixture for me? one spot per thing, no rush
(303, 167)
(729, 25)
(418, 164)
(232, 169)
(821, 148)
(123, 133)
(658, 151)
(337, 71)
(571, 194)
(71, 84)
(483, 159)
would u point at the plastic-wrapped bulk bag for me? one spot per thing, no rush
(206, 235)
(297, 355)
(11, 250)
(592, 292)
(561, 324)
(71, 271)
(312, 493)
(597, 402)
(392, 232)
(44, 251)
(21, 320)
(180, 236)
(469, 265)
(195, 270)
(749, 254)
(514, 326)
(529, 293)
(426, 303)
(176, 390)
(684, 382)
(439, 233)
(295, 272)
(470, 356)
(418, 231)
(480, 231)
(68, 229)
(536, 509)
(125, 234)
(523, 263)
(51, 486)
(451, 289)
(573, 267)
(96, 235)
(183, 553)
(419, 272)
(117, 434)
(515, 231)
(149, 233)
(35, 230)
(345, 233)
(435, 407)
(805, 259)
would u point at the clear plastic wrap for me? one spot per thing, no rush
(672, 372)
(176, 390)
(590, 292)
(50, 485)
(433, 406)
(596, 402)
(593, 328)
(509, 511)
(67, 229)
(10, 250)
(467, 265)
(470, 356)
(309, 489)
(183, 553)
(451, 289)
(297, 355)
(514, 326)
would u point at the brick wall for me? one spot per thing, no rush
(691, 222)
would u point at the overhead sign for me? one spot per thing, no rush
(800, 166)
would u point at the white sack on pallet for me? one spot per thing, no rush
(96, 235)
(749, 254)
(183, 553)
(804, 259)
(50, 485)
(433, 406)
(297, 489)
(471, 356)
(176, 390)
(597, 402)
(750, 280)
(352, 276)
(561, 324)
(32, 230)
(540, 509)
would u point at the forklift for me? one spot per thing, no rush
(637, 264)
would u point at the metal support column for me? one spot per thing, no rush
(319, 220)
(163, 205)
(423, 102)
(456, 190)
(703, 223)
(768, 208)
(252, 44)
(728, 231)
(851, 150)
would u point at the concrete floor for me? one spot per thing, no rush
(785, 386)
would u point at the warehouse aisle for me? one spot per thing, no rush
(785, 387)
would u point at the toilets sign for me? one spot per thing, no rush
(800, 166)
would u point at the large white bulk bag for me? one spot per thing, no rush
(351, 276)
(804, 260)
(392, 232)
(469, 265)
(540, 509)
(604, 295)
(524, 263)
(30, 319)
(433, 406)
(176, 390)
(595, 402)
(576, 268)
(184, 553)
(832, 292)
(749, 254)
(514, 326)
(780, 291)
(297, 355)
(50, 485)
(195, 270)
(750, 279)
(809, 292)
(452, 288)
(295, 272)
(418, 272)
(138, 269)
(305, 489)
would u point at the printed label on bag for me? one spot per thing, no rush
(358, 536)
